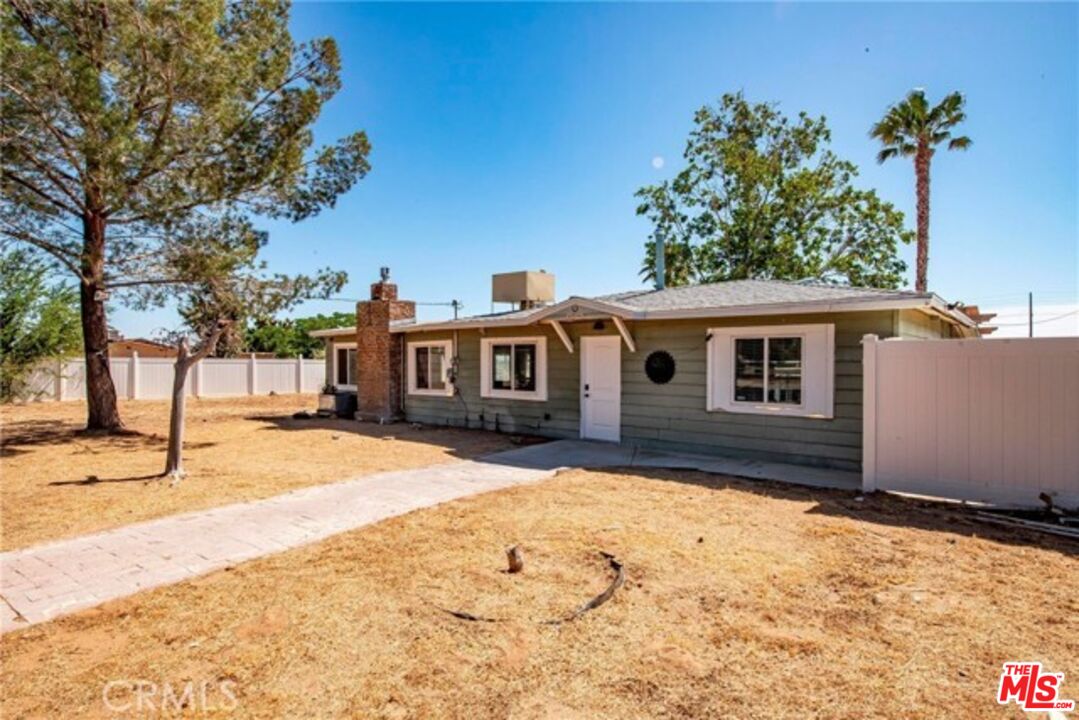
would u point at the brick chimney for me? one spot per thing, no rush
(379, 353)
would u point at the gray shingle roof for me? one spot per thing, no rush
(742, 293)
(721, 296)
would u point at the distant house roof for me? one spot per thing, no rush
(351, 329)
(123, 347)
(730, 298)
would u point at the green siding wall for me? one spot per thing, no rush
(670, 416)
(673, 416)
(915, 324)
(558, 417)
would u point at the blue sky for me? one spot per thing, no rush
(513, 136)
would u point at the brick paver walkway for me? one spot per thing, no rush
(45, 581)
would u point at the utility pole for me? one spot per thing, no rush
(1030, 314)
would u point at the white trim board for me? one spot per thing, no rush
(537, 395)
(342, 346)
(447, 361)
(818, 370)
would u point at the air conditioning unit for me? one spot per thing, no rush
(525, 289)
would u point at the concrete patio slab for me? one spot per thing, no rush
(43, 582)
(588, 454)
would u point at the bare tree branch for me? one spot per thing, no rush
(56, 251)
(61, 137)
(41, 193)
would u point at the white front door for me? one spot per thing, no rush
(601, 387)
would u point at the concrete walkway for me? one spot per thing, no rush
(581, 454)
(46, 581)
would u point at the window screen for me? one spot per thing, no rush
(749, 369)
(524, 367)
(785, 370)
(502, 367)
(346, 366)
(422, 368)
(438, 358)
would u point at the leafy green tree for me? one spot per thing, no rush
(291, 338)
(762, 196)
(124, 123)
(913, 129)
(39, 320)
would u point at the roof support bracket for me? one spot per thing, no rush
(561, 333)
(624, 332)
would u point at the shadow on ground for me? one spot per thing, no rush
(22, 437)
(462, 443)
(24, 434)
(95, 480)
(876, 508)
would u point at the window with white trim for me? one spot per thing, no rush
(345, 366)
(772, 370)
(429, 368)
(514, 368)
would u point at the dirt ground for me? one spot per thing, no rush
(235, 449)
(746, 600)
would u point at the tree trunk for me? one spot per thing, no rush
(514, 559)
(921, 174)
(174, 460)
(102, 412)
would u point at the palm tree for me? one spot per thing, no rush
(912, 129)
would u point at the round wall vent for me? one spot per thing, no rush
(659, 367)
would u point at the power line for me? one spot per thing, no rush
(450, 303)
(455, 304)
(1036, 322)
(1019, 294)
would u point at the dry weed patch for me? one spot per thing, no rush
(741, 600)
(58, 483)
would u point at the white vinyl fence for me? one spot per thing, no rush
(151, 378)
(993, 421)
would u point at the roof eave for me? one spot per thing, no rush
(463, 325)
(789, 308)
(331, 332)
(925, 302)
(941, 306)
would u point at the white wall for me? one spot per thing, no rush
(151, 378)
(992, 421)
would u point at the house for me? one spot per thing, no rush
(121, 347)
(756, 369)
(126, 347)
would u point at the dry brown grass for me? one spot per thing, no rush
(236, 449)
(742, 600)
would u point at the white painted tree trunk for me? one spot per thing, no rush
(174, 461)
